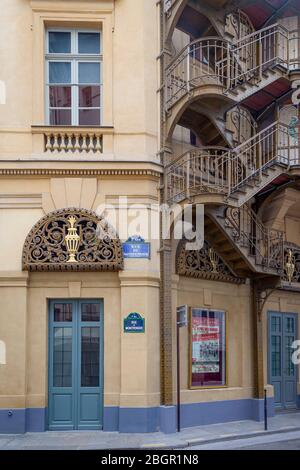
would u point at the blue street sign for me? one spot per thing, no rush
(134, 323)
(136, 247)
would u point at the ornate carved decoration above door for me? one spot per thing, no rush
(46, 247)
(204, 263)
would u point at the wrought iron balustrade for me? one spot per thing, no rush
(265, 244)
(241, 123)
(216, 61)
(259, 51)
(203, 62)
(223, 171)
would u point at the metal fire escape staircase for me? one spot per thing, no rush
(238, 69)
(237, 174)
(238, 235)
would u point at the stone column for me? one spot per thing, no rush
(13, 327)
(140, 358)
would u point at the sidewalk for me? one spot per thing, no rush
(81, 440)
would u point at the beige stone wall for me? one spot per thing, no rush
(130, 73)
(24, 329)
(24, 298)
(125, 168)
(235, 301)
(13, 330)
(33, 184)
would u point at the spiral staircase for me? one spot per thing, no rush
(236, 174)
(233, 61)
(235, 70)
(227, 172)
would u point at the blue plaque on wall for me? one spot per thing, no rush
(136, 247)
(134, 323)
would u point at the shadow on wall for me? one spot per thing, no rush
(2, 353)
(2, 92)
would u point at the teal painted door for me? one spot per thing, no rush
(75, 365)
(282, 332)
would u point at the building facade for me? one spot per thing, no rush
(109, 111)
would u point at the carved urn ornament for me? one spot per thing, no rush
(290, 266)
(72, 240)
(213, 257)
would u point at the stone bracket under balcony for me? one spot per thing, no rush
(72, 141)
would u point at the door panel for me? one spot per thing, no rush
(275, 345)
(61, 370)
(90, 358)
(62, 408)
(289, 372)
(282, 328)
(75, 365)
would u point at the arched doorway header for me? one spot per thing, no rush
(54, 238)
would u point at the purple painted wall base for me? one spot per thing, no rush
(145, 420)
(18, 421)
(168, 419)
(164, 418)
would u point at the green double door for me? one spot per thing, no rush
(282, 332)
(75, 365)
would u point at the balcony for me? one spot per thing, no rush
(235, 70)
(234, 174)
(59, 142)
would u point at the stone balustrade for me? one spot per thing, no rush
(82, 142)
(68, 141)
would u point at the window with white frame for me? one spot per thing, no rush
(73, 77)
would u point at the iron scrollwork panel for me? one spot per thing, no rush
(46, 249)
(204, 263)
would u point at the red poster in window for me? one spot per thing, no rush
(208, 348)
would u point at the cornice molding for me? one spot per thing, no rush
(78, 172)
(90, 7)
(13, 279)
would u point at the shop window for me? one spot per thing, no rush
(73, 78)
(208, 348)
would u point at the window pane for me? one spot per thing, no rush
(89, 117)
(60, 97)
(90, 312)
(59, 72)
(90, 351)
(89, 96)
(276, 356)
(62, 357)
(89, 43)
(208, 337)
(59, 42)
(289, 365)
(63, 312)
(60, 117)
(89, 72)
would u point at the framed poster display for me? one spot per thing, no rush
(207, 348)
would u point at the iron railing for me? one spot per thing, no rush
(241, 123)
(222, 170)
(203, 62)
(265, 244)
(216, 61)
